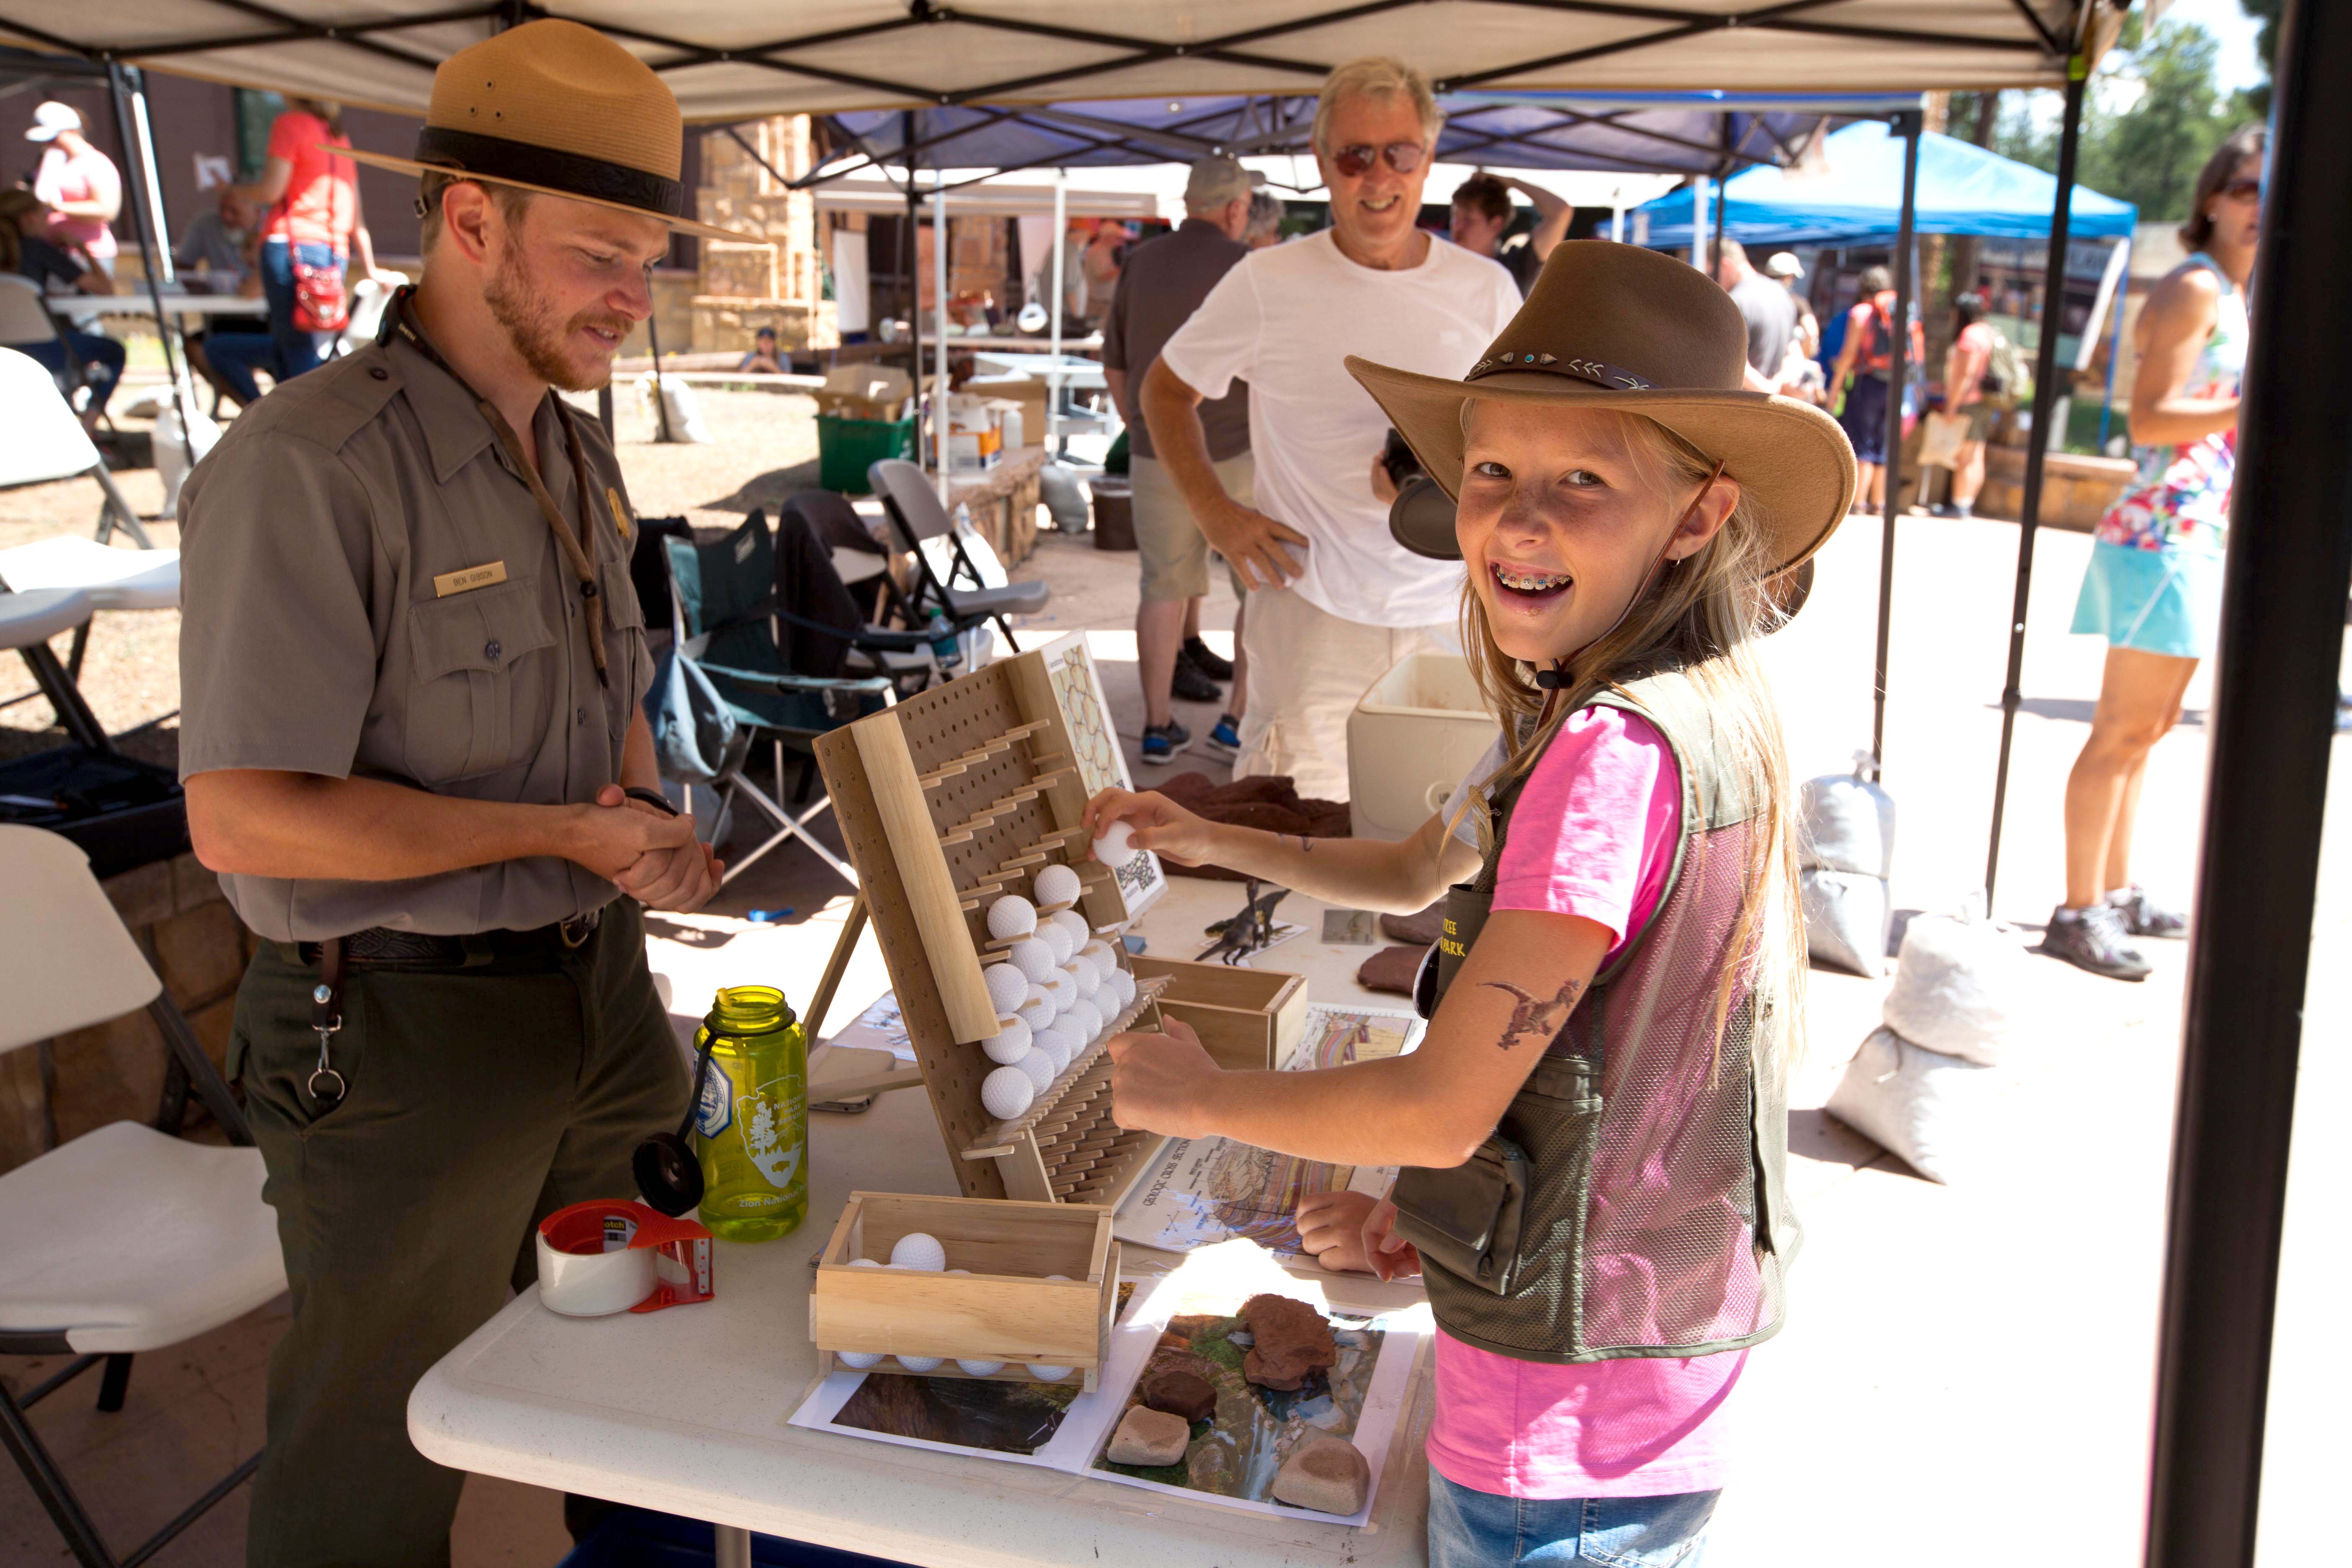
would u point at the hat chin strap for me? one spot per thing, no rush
(1555, 678)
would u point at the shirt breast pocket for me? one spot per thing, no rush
(625, 643)
(485, 682)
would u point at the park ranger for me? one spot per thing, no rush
(411, 667)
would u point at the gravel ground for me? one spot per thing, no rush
(764, 448)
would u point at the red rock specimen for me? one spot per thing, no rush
(1293, 1342)
(1180, 1390)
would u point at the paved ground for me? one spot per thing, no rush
(1965, 1370)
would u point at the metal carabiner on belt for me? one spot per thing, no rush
(326, 1084)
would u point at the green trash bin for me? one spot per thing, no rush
(845, 447)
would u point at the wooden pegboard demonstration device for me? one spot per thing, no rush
(948, 801)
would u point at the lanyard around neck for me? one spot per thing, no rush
(577, 548)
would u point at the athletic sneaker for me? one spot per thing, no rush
(1206, 661)
(2142, 917)
(2093, 939)
(1164, 742)
(1227, 738)
(1191, 684)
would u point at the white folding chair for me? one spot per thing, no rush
(45, 440)
(127, 1238)
(27, 621)
(113, 579)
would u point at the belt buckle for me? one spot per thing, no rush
(576, 930)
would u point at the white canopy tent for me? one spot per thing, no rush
(2291, 554)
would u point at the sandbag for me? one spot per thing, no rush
(1065, 498)
(1934, 1112)
(1847, 918)
(1849, 823)
(177, 453)
(685, 423)
(1959, 988)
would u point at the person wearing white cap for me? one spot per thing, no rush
(78, 183)
(1800, 373)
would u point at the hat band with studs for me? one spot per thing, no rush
(470, 153)
(1597, 371)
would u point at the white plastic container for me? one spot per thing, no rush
(1416, 732)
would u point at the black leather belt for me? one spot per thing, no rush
(380, 947)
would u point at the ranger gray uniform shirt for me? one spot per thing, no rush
(316, 640)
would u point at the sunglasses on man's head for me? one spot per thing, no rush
(1404, 157)
(2243, 190)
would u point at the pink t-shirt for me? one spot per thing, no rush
(1593, 836)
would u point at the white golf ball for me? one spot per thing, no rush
(1088, 977)
(858, 1360)
(1039, 1010)
(1060, 990)
(1045, 1373)
(1058, 941)
(1008, 1092)
(1085, 1021)
(866, 1263)
(919, 1250)
(1099, 957)
(922, 1363)
(1007, 986)
(979, 1368)
(1075, 924)
(1123, 982)
(1038, 1066)
(1058, 885)
(1034, 958)
(1011, 1041)
(1011, 915)
(959, 1270)
(1115, 842)
(1056, 1045)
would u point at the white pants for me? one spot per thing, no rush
(1307, 670)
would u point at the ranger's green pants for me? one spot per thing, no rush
(482, 1099)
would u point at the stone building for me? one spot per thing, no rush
(778, 282)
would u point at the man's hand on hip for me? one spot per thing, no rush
(1257, 546)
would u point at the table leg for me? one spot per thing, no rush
(733, 1546)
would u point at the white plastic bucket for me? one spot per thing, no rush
(1415, 734)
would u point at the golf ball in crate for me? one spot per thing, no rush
(1011, 915)
(1036, 1009)
(919, 1250)
(866, 1263)
(1011, 1041)
(858, 1360)
(1075, 924)
(1083, 971)
(1007, 987)
(1057, 1045)
(922, 1363)
(1034, 958)
(1060, 990)
(1007, 1092)
(1098, 954)
(1038, 1066)
(1045, 1373)
(1058, 941)
(1116, 842)
(1085, 1021)
(1122, 982)
(979, 1368)
(1058, 885)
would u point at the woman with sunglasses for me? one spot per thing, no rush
(2154, 585)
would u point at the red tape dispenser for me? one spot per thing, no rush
(600, 1258)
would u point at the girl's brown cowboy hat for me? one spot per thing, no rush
(1616, 326)
(559, 109)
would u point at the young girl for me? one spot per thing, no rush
(1594, 1128)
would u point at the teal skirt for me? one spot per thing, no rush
(2158, 601)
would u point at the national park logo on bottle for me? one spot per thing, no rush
(761, 1121)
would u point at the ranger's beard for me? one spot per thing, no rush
(545, 344)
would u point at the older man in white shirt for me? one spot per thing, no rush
(1350, 601)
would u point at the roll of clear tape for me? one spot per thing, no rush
(593, 1284)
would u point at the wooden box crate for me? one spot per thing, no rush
(1005, 1309)
(948, 800)
(1247, 1018)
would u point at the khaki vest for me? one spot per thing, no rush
(1631, 1202)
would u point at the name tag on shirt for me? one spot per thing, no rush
(471, 577)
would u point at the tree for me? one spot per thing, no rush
(2255, 102)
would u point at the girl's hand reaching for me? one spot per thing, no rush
(1390, 1256)
(1331, 1229)
(1160, 1083)
(1159, 824)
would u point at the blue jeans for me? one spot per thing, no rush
(1479, 1530)
(287, 350)
(101, 360)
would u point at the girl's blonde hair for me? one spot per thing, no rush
(1704, 614)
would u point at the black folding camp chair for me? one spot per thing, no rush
(916, 514)
(723, 605)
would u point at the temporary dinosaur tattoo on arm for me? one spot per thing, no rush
(1532, 1019)
(1305, 844)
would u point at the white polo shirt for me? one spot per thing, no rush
(1282, 321)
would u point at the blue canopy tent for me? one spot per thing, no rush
(1962, 189)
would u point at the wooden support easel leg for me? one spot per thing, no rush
(813, 1022)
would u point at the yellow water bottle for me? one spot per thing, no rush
(751, 1122)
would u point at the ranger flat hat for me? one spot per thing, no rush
(1616, 326)
(559, 109)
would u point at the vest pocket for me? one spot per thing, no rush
(1467, 1219)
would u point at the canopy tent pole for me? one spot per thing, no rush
(914, 263)
(940, 327)
(1898, 373)
(2037, 447)
(153, 195)
(1617, 215)
(1698, 220)
(1054, 375)
(143, 208)
(2281, 633)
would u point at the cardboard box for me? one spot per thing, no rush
(876, 392)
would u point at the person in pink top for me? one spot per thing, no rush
(1594, 1131)
(78, 185)
(1966, 365)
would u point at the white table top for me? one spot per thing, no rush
(134, 301)
(684, 1410)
